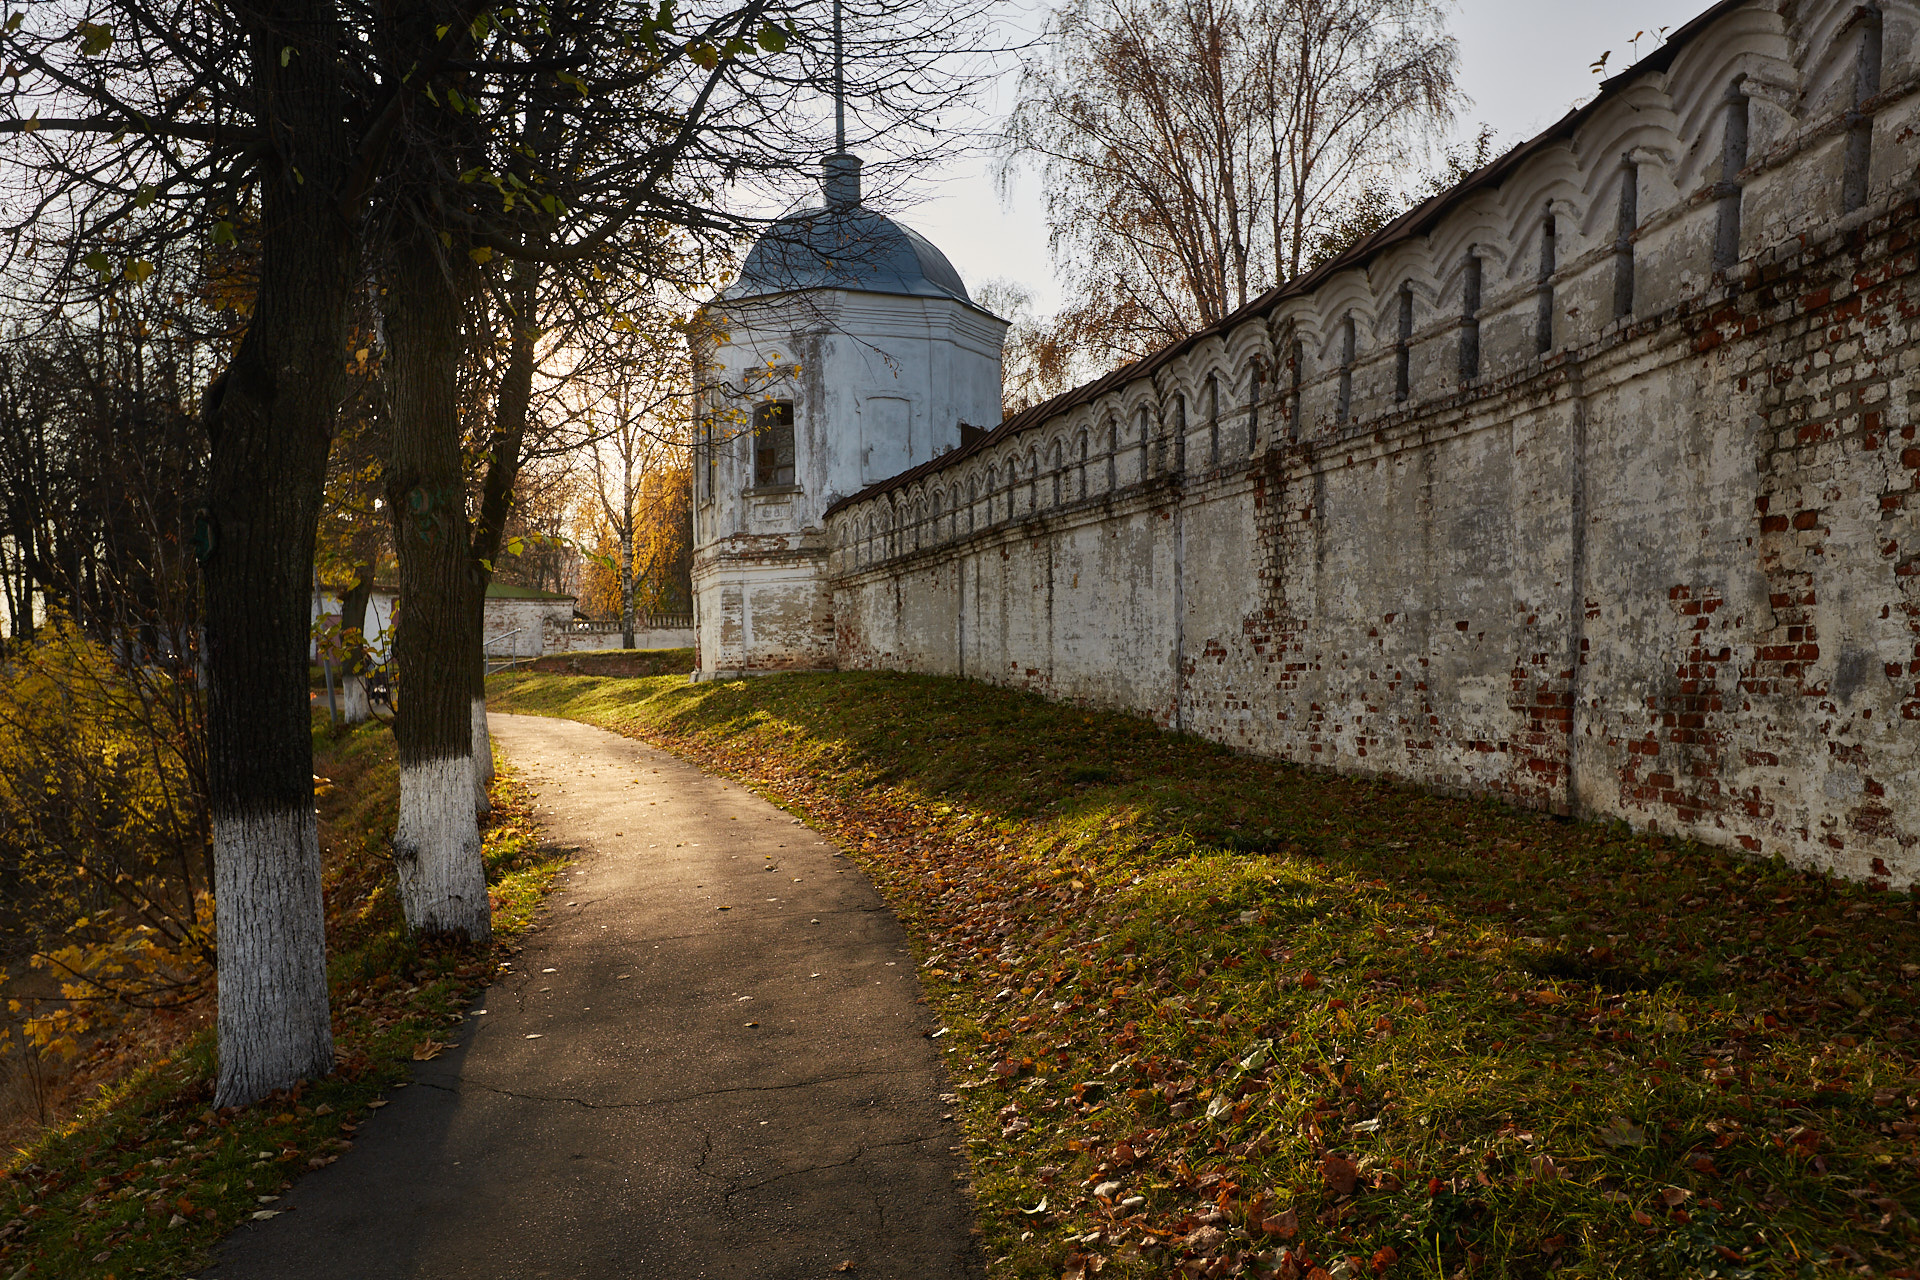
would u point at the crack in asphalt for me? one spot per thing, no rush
(700, 1165)
(859, 1153)
(695, 1096)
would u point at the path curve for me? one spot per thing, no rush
(612, 1113)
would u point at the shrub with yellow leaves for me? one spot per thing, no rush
(105, 887)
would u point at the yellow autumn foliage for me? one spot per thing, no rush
(105, 885)
(662, 551)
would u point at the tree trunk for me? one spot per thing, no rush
(354, 666)
(626, 593)
(356, 706)
(482, 751)
(436, 846)
(628, 526)
(270, 421)
(496, 495)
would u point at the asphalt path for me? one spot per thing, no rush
(711, 1060)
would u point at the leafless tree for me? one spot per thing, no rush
(1192, 148)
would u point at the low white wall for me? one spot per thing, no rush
(557, 640)
(379, 622)
(518, 628)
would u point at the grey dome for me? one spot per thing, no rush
(845, 248)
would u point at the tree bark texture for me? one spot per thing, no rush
(270, 424)
(436, 846)
(356, 706)
(482, 754)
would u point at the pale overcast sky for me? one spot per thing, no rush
(1524, 63)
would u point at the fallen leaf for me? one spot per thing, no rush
(428, 1050)
(1622, 1132)
(1341, 1174)
(1285, 1224)
(1205, 1240)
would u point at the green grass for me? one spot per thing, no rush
(148, 1176)
(1314, 1022)
(616, 662)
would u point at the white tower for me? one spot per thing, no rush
(847, 352)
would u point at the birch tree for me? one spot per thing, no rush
(638, 451)
(1192, 149)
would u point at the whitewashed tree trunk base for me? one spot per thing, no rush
(353, 700)
(271, 926)
(436, 850)
(482, 759)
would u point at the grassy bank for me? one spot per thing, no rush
(147, 1175)
(616, 662)
(1209, 1015)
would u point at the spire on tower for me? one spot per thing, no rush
(839, 86)
(840, 172)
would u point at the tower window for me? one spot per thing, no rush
(773, 443)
